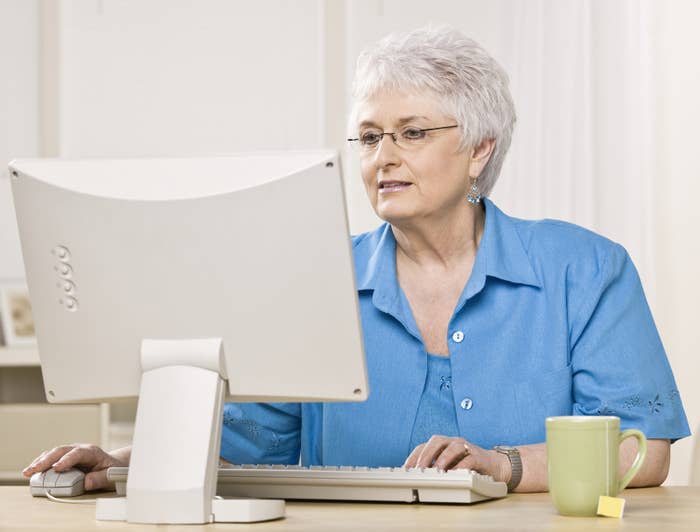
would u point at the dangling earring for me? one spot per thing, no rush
(473, 195)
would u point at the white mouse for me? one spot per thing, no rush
(68, 483)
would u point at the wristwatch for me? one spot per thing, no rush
(516, 464)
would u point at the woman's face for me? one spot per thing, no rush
(410, 183)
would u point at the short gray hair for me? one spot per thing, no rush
(468, 83)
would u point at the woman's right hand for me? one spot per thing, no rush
(88, 458)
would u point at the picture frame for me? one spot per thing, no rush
(16, 316)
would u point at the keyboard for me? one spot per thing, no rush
(390, 484)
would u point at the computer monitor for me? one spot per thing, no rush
(185, 281)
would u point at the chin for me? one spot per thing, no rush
(396, 214)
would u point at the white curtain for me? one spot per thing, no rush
(582, 78)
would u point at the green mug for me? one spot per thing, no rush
(582, 461)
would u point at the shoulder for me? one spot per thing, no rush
(365, 244)
(555, 244)
(370, 250)
(579, 265)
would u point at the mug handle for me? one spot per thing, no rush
(638, 461)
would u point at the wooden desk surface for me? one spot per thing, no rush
(658, 509)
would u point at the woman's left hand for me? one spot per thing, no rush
(444, 452)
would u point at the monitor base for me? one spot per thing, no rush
(223, 510)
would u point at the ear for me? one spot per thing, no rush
(480, 156)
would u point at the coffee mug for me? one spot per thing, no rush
(582, 461)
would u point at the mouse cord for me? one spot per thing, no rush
(56, 499)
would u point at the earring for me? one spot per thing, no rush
(473, 195)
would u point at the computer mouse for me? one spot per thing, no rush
(68, 483)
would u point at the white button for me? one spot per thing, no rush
(458, 336)
(62, 253)
(466, 403)
(71, 304)
(64, 270)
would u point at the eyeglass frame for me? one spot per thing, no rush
(394, 133)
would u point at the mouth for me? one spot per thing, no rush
(392, 186)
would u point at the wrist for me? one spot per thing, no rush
(515, 464)
(123, 454)
(504, 471)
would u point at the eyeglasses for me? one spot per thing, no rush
(407, 138)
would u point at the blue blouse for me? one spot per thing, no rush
(436, 414)
(552, 321)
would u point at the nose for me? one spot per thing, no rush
(387, 152)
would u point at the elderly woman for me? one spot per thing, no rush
(477, 325)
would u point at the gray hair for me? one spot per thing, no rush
(468, 83)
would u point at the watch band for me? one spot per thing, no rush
(516, 464)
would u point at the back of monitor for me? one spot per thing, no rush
(252, 249)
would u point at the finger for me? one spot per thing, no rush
(97, 480)
(413, 457)
(36, 465)
(468, 462)
(29, 470)
(47, 459)
(78, 456)
(455, 452)
(431, 451)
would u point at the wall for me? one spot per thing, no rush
(19, 114)
(209, 81)
(677, 189)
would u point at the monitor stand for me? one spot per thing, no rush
(177, 439)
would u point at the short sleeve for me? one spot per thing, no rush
(261, 433)
(619, 364)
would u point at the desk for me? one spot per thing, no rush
(657, 509)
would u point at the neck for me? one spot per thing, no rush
(441, 241)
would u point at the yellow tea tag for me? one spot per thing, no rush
(611, 506)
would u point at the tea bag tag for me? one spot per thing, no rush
(611, 506)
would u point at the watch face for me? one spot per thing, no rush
(504, 448)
